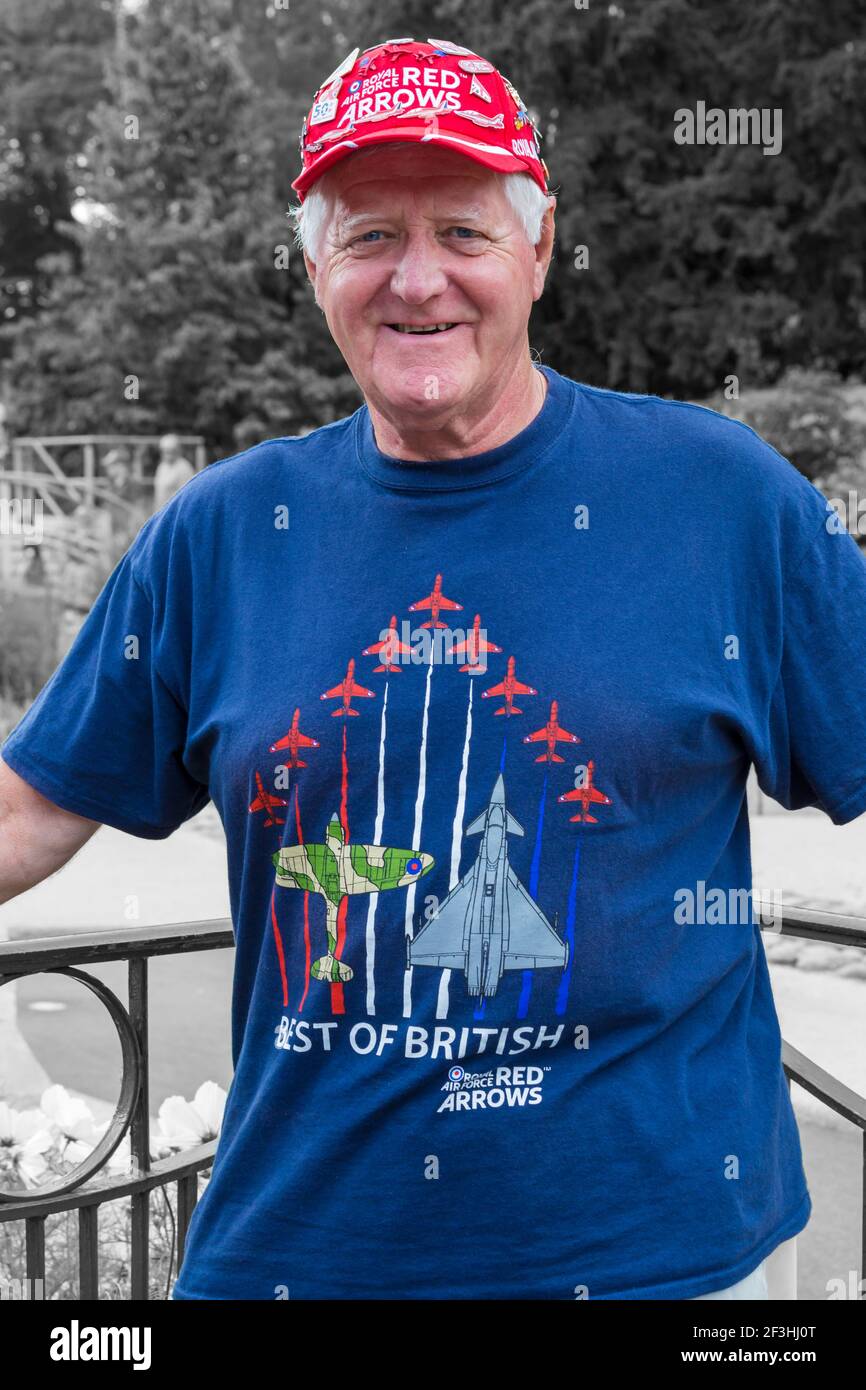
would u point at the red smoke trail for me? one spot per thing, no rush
(278, 940)
(280, 954)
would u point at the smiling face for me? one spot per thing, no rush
(420, 236)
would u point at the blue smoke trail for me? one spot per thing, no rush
(565, 982)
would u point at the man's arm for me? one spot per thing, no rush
(36, 837)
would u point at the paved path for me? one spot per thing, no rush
(118, 880)
(810, 860)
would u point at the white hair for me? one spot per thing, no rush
(311, 218)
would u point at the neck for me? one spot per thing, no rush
(508, 408)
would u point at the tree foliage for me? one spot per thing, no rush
(182, 303)
(703, 260)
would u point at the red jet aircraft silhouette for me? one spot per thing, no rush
(388, 648)
(509, 687)
(267, 801)
(551, 734)
(294, 740)
(474, 645)
(347, 690)
(435, 602)
(585, 795)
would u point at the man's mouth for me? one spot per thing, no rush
(421, 327)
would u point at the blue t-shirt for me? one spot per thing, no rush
(479, 732)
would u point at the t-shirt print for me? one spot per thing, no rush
(490, 922)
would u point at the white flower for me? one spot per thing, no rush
(73, 1121)
(121, 1160)
(160, 1146)
(184, 1124)
(24, 1137)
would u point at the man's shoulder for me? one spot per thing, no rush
(210, 503)
(691, 448)
(260, 462)
(678, 420)
(688, 435)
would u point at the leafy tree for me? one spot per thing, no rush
(51, 56)
(808, 417)
(703, 260)
(179, 311)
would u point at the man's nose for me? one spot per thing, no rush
(420, 271)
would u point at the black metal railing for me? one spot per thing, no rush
(64, 954)
(834, 929)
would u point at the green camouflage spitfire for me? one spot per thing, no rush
(336, 869)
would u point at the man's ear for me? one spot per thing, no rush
(544, 248)
(313, 277)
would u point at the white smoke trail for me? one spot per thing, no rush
(443, 999)
(416, 837)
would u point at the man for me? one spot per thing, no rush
(475, 678)
(125, 509)
(172, 471)
(249, 432)
(35, 575)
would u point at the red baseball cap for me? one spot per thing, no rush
(433, 92)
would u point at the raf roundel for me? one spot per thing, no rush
(414, 866)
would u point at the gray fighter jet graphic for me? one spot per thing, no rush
(489, 923)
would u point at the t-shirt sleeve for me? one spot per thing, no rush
(105, 736)
(815, 748)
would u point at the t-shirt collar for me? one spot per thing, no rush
(474, 470)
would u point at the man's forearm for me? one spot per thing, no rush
(36, 837)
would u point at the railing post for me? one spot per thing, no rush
(139, 1134)
(187, 1196)
(88, 1254)
(34, 1260)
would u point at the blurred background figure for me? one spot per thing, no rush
(247, 433)
(126, 507)
(106, 529)
(35, 575)
(172, 471)
(4, 435)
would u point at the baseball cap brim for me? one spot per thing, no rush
(489, 155)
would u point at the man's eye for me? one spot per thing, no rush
(464, 233)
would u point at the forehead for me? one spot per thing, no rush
(416, 172)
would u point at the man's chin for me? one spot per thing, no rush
(423, 393)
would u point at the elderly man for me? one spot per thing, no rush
(172, 471)
(475, 678)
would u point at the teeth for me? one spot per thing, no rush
(434, 328)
